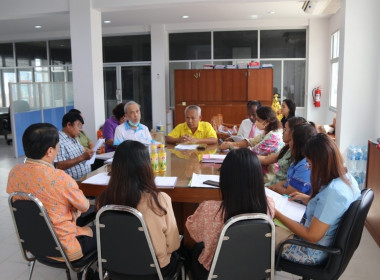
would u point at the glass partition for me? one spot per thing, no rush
(35, 103)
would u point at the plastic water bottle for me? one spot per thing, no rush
(363, 162)
(351, 159)
(364, 167)
(358, 158)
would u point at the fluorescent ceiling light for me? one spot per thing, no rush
(107, 21)
(184, 17)
(37, 26)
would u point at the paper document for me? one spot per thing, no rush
(198, 179)
(105, 156)
(97, 146)
(165, 182)
(213, 158)
(109, 161)
(291, 209)
(186, 147)
(98, 179)
(237, 138)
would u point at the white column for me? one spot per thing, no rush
(318, 74)
(160, 73)
(87, 62)
(359, 66)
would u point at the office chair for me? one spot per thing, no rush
(245, 249)
(125, 250)
(5, 127)
(346, 241)
(38, 239)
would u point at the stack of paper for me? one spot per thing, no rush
(213, 158)
(186, 147)
(165, 182)
(291, 209)
(98, 179)
(198, 179)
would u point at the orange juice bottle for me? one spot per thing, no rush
(154, 158)
(162, 158)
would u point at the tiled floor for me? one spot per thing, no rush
(364, 265)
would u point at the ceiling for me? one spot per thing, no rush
(53, 15)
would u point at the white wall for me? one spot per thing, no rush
(358, 88)
(317, 69)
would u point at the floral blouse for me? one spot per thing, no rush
(206, 225)
(264, 145)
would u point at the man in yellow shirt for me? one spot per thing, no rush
(193, 130)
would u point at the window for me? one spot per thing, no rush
(187, 46)
(334, 61)
(235, 44)
(126, 48)
(283, 43)
(60, 52)
(6, 55)
(31, 54)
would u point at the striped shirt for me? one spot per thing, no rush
(69, 148)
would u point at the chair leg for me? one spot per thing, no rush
(31, 267)
(68, 276)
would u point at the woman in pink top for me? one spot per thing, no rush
(242, 187)
(132, 184)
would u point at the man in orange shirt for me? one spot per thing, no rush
(58, 192)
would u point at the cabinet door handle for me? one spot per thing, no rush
(199, 75)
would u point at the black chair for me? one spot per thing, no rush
(38, 239)
(345, 243)
(245, 249)
(125, 250)
(5, 127)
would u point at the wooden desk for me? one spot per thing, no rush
(181, 164)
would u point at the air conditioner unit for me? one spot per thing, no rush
(319, 7)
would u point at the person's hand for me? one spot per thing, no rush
(225, 145)
(87, 154)
(75, 213)
(185, 139)
(299, 197)
(278, 187)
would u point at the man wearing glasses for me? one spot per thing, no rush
(72, 156)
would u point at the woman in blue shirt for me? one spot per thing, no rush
(298, 175)
(333, 190)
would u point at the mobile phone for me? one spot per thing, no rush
(211, 183)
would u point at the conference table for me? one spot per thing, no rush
(181, 164)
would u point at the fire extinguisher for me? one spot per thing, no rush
(317, 97)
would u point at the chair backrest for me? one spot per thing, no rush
(124, 244)
(34, 228)
(349, 233)
(245, 249)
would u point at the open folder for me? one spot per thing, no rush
(198, 179)
(291, 209)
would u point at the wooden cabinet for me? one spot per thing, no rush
(372, 181)
(224, 91)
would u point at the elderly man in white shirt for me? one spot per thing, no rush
(247, 128)
(132, 129)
